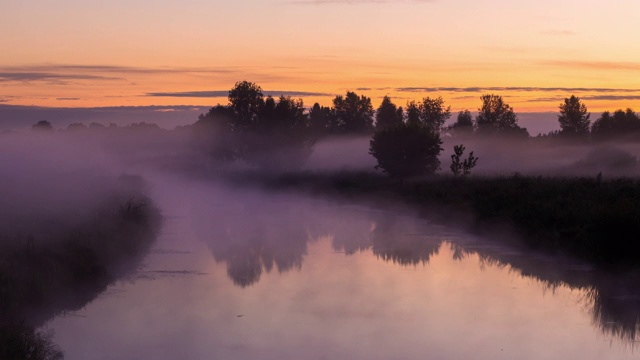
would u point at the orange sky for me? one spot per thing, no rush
(72, 53)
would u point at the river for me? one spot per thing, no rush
(242, 274)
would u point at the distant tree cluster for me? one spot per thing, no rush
(257, 129)
(575, 123)
(407, 142)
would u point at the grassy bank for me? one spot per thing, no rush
(39, 279)
(591, 218)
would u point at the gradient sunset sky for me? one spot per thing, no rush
(72, 53)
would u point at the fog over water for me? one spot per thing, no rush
(242, 273)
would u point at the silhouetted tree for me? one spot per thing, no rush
(320, 120)
(257, 130)
(462, 167)
(497, 117)
(413, 113)
(42, 125)
(76, 127)
(573, 118)
(246, 101)
(282, 137)
(354, 114)
(406, 150)
(388, 114)
(433, 113)
(463, 125)
(622, 122)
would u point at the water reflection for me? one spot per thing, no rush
(253, 234)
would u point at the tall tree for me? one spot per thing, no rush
(354, 113)
(413, 113)
(42, 125)
(497, 117)
(463, 125)
(320, 118)
(622, 122)
(433, 113)
(388, 114)
(247, 101)
(574, 118)
(406, 150)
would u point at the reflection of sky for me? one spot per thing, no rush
(140, 47)
(335, 306)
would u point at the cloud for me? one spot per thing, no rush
(67, 98)
(515, 89)
(225, 93)
(594, 65)
(63, 73)
(19, 76)
(109, 69)
(357, 2)
(588, 97)
(370, 89)
(611, 97)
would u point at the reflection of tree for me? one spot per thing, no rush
(614, 298)
(258, 236)
(254, 238)
(398, 242)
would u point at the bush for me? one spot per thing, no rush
(406, 150)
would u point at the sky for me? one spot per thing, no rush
(81, 54)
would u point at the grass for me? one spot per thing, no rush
(39, 279)
(594, 219)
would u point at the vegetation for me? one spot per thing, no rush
(406, 150)
(408, 147)
(388, 114)
(590, 218)
(256, 129)
(40, 278)
(496, 117)
(463, 127)
(42, 126)
(462, 167)
(574, 118)
(623, 123)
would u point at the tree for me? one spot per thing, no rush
(497, 117)
(462, 168)
(573, 118)
(246, 101)
(413, 113)
(259, 131)
(622, 122)
(433, 113)
(406, 150)
(320, 119)
(42, 125)
(354, 114)
(388, 114)
(463, 125)
(76, 127)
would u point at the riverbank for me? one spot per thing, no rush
(39, 279)
(590, 218)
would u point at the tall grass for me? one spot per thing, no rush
(40, 278)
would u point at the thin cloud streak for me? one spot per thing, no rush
(225, 93)
(589, 97)
(48, 76)
(357, 2)
(595, 65)
(114, 69)
(514, 89)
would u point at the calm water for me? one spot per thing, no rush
(245, 275)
